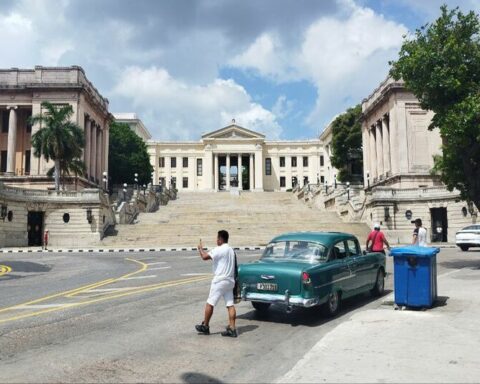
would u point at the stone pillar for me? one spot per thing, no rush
(106, 140)
(240, 185)
(386, 146)
(99, 171)
(88, 129)
(366, 153)
(12, 140)
(215, 171)
(228, 172)
(93, 152)
(35, 161)
(392, 127)
(207, 178)
(250, 172)
(379, 142)
(373, 154)
(258, 171)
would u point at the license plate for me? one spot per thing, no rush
(267, 287)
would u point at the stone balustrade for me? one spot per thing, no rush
(381, 193)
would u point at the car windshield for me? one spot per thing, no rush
(295, 250)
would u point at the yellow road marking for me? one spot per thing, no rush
(152, 287)
(4, 269)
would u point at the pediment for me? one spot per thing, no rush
(233, 131)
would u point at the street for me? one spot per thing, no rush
(129, 317)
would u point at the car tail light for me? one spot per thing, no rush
(306, 278)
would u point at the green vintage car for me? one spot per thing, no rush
(306, 269)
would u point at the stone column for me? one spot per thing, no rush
(379, 141)
(258, 171)
(240, 186)
(12, 140)
(35, 161)
(93, 152)
(250, 172)
(228, 172)
(373, 154)
(106, 139)
(215, 171)
(394, 142)
(99, 171)
(386, 145)
(366, 154)
(88, 129)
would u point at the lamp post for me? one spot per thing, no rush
(124, 191)
(105, 180)
(318, 179)
(348, 190)
(136, 181)
(144, 189)
(326, 187)
(368, 179)
(335, 180)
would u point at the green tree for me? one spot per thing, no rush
(58, 138)
(347, 154)
(440, 64)
(127, 155)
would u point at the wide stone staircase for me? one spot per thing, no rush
(251, 219)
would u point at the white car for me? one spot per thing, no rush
(468, 237)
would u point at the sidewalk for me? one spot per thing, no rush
(383, 345)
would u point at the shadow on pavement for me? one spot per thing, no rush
(26, 266)
(458, 264)
(310, 317)
(195, 377)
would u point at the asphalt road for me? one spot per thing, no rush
(130, 317)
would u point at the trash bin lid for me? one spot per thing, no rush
(415, 251)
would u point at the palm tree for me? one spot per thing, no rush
(58, 139)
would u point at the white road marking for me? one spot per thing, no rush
(195, 274)
(158, 268)
(191, 257)
(110, 289)
(43, 306)
(157, 262)
(138, 277)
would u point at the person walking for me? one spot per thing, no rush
(223, 283)
(419, 234)
(376, 239)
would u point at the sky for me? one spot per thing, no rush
(284, 68)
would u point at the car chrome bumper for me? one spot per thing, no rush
(279, 298)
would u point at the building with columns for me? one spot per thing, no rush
(135, 124)
(212, 163)
(398, 151)
(21, 93)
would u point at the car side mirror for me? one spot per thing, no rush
(364, 253)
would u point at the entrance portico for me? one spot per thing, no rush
(234, 171)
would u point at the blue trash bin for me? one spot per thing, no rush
(415, 275)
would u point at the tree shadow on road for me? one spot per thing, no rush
(196, 377)
(310, 317)
(458, 264)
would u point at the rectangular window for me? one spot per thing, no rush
(294, 161)
(27, 162)
(268, 166)
(161, 162)
(173, 162)
(305, 161)
(305, 180)
(5, 115)
(185, 182)
(282, 182)
(282, 161)
(322, 161)
(353, 249)
(199, 167)
(174, 183)
(3, 161)
(322, 179)
(162, 181)
(185, 162)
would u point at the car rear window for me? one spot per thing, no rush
(295, 251)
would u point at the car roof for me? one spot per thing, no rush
(325, 238)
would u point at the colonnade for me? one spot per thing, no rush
(251, 173)
(380, 141)
(95, 150)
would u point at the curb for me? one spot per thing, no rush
(118, 250)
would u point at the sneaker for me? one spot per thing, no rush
(202, 328)
(230, 332)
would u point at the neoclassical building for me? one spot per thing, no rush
(135, 124)
(212, 163)
(398, 151)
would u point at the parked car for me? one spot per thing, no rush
(468, 237)
(307, 269)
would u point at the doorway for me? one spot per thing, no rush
(35, 229)
(439, 224)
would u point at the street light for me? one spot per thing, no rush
(326, 187)
(136, 181)
(348, 190)
(124, 191)
(144, 188)
(368, 179)
(335, 180)
(105, 180)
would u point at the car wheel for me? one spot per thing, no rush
(379, 287)
(261, 307)
(332, 306)
(464, 248)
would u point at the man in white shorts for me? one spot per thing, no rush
(419, 234)
(223, 282)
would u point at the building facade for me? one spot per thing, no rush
(213, 163)
(398, 152)
(135, 124)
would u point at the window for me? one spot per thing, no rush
(353, 248)
(185, 182)
(161, 162)
(305, 161)
(282, 161)
(162, 181)
(322, 179)
(322, 161)
(282, 182)
(294, 181)
(173, 162)
(199, 167)
(173, 182)
(296, 250)
(3, 161)
(27, 162)
(339, 251)
(305, 180)
(5, 116)
(268, 166)
(294, 161)
(185, 162)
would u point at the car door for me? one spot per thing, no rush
(345, 276)
(363, 265)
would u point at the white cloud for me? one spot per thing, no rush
(172, 109)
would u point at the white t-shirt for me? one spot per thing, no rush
(223, 258)
(421, 236)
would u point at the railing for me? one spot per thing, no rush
(410, 193)
(47, 193)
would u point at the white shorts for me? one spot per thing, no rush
(222, 288)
